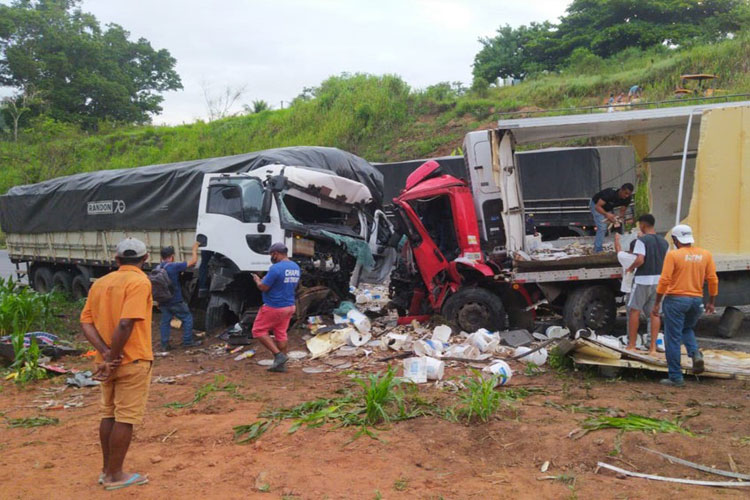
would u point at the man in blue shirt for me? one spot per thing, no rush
(278, 287)
(177, 306)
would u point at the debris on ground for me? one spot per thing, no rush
(82, 379)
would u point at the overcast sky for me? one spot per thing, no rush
(276, 48)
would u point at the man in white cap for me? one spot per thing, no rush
(685, 271)
(278, 287)
(117, 321)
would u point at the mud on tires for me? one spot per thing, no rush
(590, 307)
(473, 308)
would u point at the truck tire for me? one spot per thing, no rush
(590, 307)
(43, 280)
(215, 318)
(79, 287)
(472, 308)
(63, 281)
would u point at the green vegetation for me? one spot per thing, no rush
(21, 309)
(218, 385)
(596, 29)
(480, 400)
(29, 422)
(633, 422)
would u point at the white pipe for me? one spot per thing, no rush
(682, 170)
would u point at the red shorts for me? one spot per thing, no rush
(273, 320)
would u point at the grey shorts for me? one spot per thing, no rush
(642, 298)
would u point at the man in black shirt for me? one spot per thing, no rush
(602, 206)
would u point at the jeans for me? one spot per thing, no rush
(181, 311)
(601, 227)
(680, 317)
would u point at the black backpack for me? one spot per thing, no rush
(162, 288)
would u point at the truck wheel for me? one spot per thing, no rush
(63, 281)
(43, 280)
(473, 308)
(215, 318)
(79, 287)
(590, 307)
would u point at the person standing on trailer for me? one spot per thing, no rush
(685, 271)
(602, 205)
(278, 286)
(650, 250)
(176, 307)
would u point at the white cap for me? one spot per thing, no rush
(131, 247)
(684, 234)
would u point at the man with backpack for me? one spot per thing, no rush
(170, 300)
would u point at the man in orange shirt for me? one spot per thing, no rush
(685, 271)
(117, 321)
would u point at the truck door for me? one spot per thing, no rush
(230, 220)
(508, 179)
(488, 202)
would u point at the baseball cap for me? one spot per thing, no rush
(131, 247)
(278, 247)
(684, 234)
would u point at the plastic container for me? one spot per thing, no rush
(465, 351)
(501, 369)
(442, 333)
(394, 341)
(484, 340)
(428, 348)
(434, 368)
(359, 320)
(557, 332)
(357, 338)
(538, 358)
(415, 369)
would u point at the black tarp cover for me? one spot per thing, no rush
(157, 196)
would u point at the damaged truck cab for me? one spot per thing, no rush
(322, 218)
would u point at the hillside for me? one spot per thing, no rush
(377, 117)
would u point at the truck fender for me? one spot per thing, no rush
(479, 267)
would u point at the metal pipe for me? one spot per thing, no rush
(682, 169)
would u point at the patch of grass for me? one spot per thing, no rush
(264, 488)
(532, 370)
(218, 385)
(381, 399)
(401, 484)
(29, 422)
(378, 495)
(480, 400)
(558, 361)
(632, 422)
(579, 408)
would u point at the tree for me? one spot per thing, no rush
(219, 105)
(85, 72)
(604, 28)
(510, 53)
(18, 105)
(258, 106)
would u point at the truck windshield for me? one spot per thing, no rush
(240, 199)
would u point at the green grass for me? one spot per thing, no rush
(377, 117)
(218, 385)
(480, 400)
(633, 422)
(29, 422)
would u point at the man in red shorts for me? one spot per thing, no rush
(278, 287)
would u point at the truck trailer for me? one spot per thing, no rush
(698, 160)
(323, 203)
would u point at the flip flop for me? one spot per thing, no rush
(101, 478)
(135, 479)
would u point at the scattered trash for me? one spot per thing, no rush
(720, 484)
(545, 466)
(313, 369)
(82, 379)
(415, 369)
(396, 341)
(245, 355)
(297, 355)
(265, 362)
(159, 379)
(442, 333)
(538, 358)
(357, 338)
(434, 368)
(484, 340)
(704, 468)
(515, 338)
(315, 320)
(501, 369)
(428, 348)
(557, 332)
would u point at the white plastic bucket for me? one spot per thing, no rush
(357, 338)
(557, 332)
(483, 340)
(538, 358)
(425, 348)
(434, 368)
(442, 333)
(501, 369)
(415, 369)
(394, 341)
(359, 320)
(465, 351)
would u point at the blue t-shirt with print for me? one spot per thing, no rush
(282, 278)
(173, 270)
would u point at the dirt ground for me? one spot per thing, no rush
(191, 450)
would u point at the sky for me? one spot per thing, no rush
(276, 48)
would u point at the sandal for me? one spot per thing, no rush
(135, 479)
